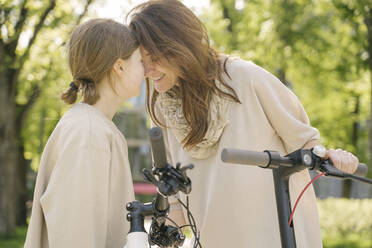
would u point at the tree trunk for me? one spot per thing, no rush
(346, 190)
(8, 156)
(21, 183)
(368, 23)
(8, 147)
(281, 74)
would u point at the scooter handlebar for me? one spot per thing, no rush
(237, 156)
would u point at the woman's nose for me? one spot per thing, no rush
(148, 68)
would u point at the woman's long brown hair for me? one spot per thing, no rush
(171, 32)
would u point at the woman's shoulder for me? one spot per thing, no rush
(241, 68)
(243, 73)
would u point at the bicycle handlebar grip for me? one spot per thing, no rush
(158, 147)
(361, 171)
(237, 156)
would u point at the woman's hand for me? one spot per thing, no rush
(343, 160)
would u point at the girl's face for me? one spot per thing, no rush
(131, 76)
(162, 77)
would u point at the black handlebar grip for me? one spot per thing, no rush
(237, 156)
(158, 147)
(361, 171)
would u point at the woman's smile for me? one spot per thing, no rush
(157, 79)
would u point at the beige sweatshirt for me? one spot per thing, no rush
(83, 183)
(234, 205)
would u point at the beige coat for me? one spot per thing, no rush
(83, 183)
(234, 205)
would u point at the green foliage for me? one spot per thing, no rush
(346, 221)
(46, 69)
(319, 47)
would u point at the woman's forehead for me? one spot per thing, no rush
(154, 56)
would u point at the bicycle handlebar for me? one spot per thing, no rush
(237, 156)
(264, 159)
(361, 171)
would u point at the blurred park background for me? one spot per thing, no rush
(321, 49)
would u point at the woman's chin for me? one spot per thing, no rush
(161, 88)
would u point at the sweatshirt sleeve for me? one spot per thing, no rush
(283, 110)
(75, 203)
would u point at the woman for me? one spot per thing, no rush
(84, 179)
(205, 102)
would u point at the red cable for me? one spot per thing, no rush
(303, 191)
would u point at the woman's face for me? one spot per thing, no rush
(162, 77)
(131, 76)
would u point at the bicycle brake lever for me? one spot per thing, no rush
(330, 170)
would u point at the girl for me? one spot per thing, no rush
(84, 178)
(205, 102)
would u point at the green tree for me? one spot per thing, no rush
(312, 46)
(20, 21)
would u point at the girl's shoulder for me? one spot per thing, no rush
(83, 125)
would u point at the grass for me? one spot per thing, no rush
(346, 222)
(352, 241)
(16, 241)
